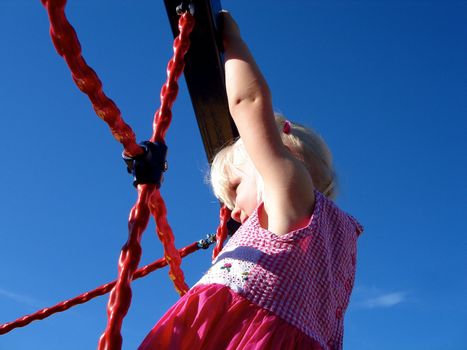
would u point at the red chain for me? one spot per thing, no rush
(159, 211)
(222, 231)
(162, 119)
(175, 68)
(85, 297)
(67, 45)
(120, 297)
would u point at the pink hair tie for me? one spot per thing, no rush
(287, 127)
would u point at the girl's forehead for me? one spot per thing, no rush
(240, 170)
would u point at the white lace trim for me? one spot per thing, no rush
(232, 268)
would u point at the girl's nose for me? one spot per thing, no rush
(235, 214)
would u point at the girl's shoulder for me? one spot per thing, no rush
(326, 219)
(334, 218)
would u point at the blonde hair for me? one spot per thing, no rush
(303, 143)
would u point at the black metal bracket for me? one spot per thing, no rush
(148, 167)
(232, 227)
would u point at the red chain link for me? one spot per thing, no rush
(162, 119)
(159, 211)
(67, 45)
(175, 68)
(120, 297)
(222, 231)
(85, 297)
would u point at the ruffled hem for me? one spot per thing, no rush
(213, 317)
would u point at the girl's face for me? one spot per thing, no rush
(245, 192)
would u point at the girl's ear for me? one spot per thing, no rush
(293, 154)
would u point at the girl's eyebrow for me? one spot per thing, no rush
(234, 180)
(233, 186)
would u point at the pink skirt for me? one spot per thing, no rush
(213, 317)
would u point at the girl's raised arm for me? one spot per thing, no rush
(288, 189)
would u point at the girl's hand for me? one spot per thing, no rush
(230, 29)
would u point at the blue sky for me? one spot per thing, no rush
(384, 82)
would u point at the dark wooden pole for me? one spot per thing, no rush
(204, 74)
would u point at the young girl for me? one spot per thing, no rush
(283, 281)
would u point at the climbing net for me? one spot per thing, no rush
(146, 161)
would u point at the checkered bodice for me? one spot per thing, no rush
(305, 277)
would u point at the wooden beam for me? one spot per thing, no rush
(204, 74)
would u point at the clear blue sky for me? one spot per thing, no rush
(385, 83)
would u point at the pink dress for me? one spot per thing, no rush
(270, 292)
